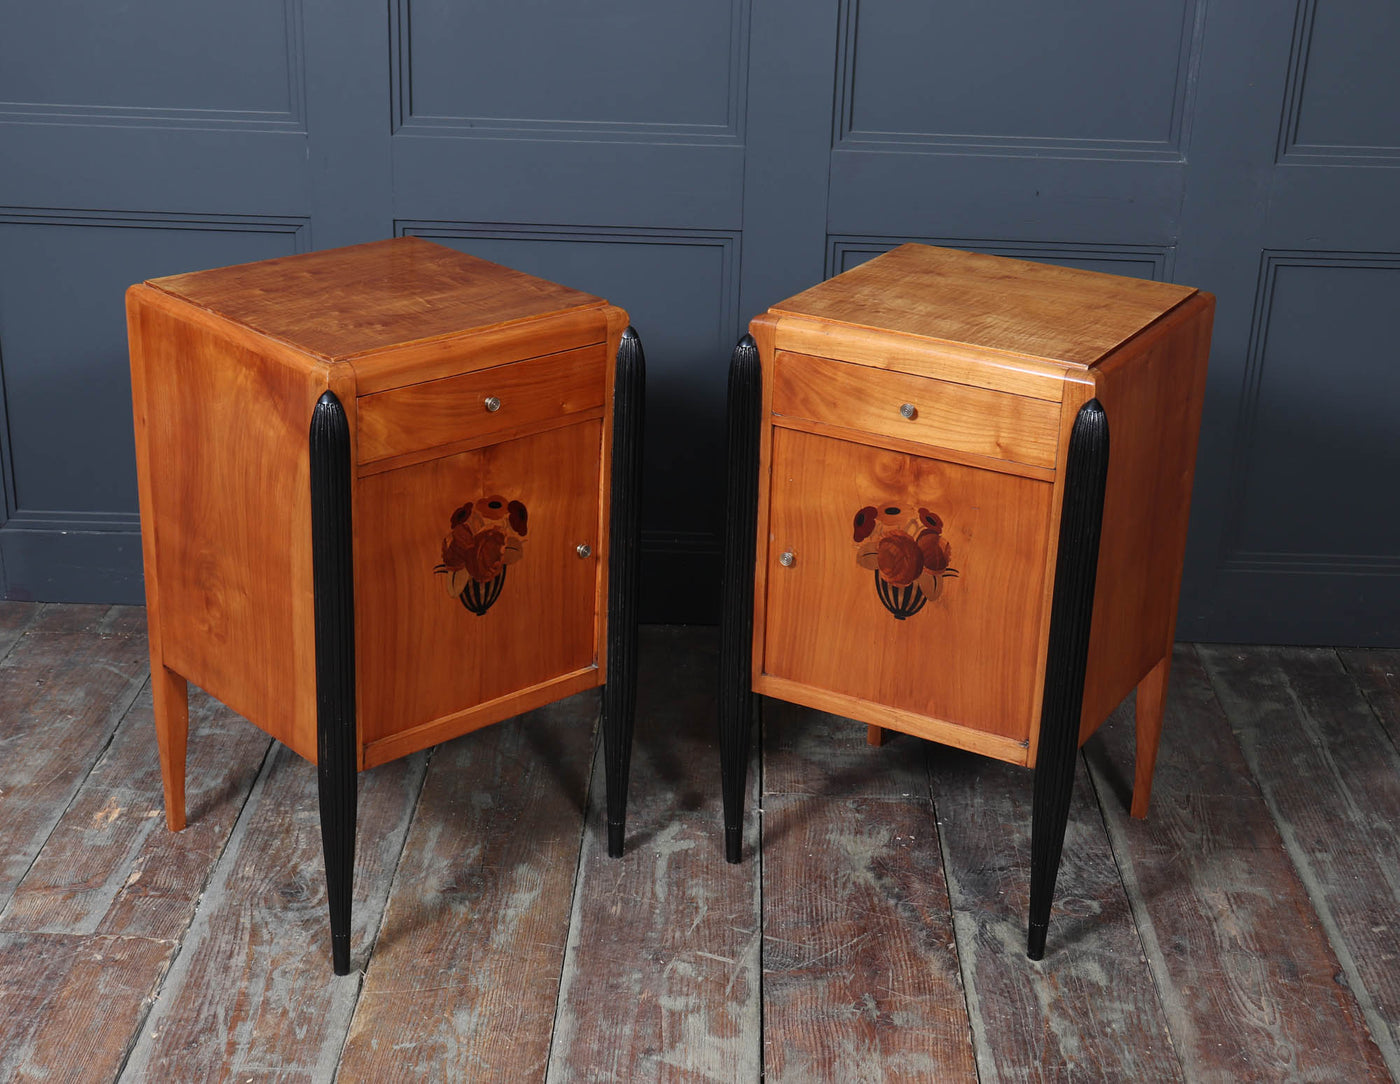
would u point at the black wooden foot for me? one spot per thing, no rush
(1035, 940)
(736, 599)
(624, 580)
(334, 605)
(733, 842)
(1076, 568)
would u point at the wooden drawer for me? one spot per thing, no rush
(947, 415)
(439, 412)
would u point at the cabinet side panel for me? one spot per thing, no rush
(228, 515)
(1151, 391)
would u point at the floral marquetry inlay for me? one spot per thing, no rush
(907, 552)
(487, 537)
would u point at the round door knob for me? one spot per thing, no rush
(492, 404)
(583, 549)
(907, 409)
(787, 559)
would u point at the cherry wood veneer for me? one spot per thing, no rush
(973, 479)
(455, 400)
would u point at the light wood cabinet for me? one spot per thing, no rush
(959, 489)
(388, 496)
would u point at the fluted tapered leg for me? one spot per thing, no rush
(736, 602)
(1076, 567)
(333, 581)
(624, 579)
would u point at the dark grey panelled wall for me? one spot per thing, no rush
(696, 161)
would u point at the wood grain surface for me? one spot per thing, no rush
(422, 655)
(1090, 1009)
(70, 1004)
(860, 967)
(15, 617)
(861, 979)
(226, 511)
(962, 364)
(54, 731)
(437, 412)
(110, 865)
(350, 301)
(1251, 987)
(1041, 310)
(1377, 674)
(465, 972)
(251, 991)
(967, 419)
(661, 980)
(1331, 777)
(1243, 932)
(1152, 391)
(968, 657)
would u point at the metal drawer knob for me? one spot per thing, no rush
(492, 404)
(907, 409)
(583, 549)
(787, 559)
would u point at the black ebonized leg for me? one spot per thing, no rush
(624, 579)
(335, 661)
(1071, 612)
(736, 599)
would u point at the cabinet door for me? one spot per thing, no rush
(914, 583)
(468, 581)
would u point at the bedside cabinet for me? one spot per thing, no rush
(929, 529)
(388, 496)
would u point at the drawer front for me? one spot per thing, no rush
(934, 412)
(437, 412)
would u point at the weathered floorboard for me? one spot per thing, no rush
(1245, 973)
(861, 977)
(814, 752)
(512, 947)
(70, 1004)
(1377, 674)
(1089, 1010)
(860, 971)
(15, 617)
(251, 993)
(63, 687)
(110, 866)
(465, 973)
(1331, 777)
(661, 980)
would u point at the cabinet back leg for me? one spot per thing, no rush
(1151, 706)
(170, 696)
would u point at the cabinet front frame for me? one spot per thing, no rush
(1074, 390)
(475, 716)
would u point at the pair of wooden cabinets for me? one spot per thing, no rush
(389, 495)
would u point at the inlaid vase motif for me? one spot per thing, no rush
(487, 536)
(907, 553)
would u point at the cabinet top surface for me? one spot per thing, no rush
(1038, 310)
(343, 302)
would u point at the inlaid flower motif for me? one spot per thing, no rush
(907, 552)
(485, 537)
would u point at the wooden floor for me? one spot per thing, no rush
(1249, 930)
